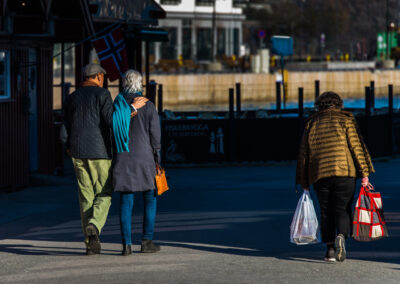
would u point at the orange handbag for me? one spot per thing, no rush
(161, 180)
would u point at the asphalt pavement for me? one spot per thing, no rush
(215, 225)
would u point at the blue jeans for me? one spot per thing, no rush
(150, 202)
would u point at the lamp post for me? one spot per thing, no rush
(213, 33)
(387, 30)
(302, 29)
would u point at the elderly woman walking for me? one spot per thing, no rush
(332, 155)
(138, 144)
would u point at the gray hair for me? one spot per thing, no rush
(132, 82)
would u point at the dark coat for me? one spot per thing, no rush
(135, 170)
(88, 120)
(332, 146)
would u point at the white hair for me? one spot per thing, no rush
(132, 82)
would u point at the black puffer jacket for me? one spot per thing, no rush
(88, 121)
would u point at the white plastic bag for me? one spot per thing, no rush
(304, 227)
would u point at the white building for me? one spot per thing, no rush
(190, 22)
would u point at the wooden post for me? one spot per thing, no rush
(391, 144)
(232, 133)
(300, 120)
(238, 100)
(283, 82)
(316, 88)
(301, 103)
(62, 75)
(160, 99)
(367, 101)
(390, 89)
(147, 62)
(231, 98)
(138, 55)
(372, 94)
(278, 96)
(151, 91)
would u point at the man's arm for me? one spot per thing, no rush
(107, 108)
(65, 130)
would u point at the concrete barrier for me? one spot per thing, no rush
(202, 90)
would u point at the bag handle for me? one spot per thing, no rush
(369, 187)
(158, 169)
(306, 195)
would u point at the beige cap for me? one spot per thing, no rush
(93, 69)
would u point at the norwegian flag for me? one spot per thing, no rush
(111, 51)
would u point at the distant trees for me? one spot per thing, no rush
(348, 26)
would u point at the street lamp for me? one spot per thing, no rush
(213, 33)
(387, 30)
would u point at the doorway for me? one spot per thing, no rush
(33, 113)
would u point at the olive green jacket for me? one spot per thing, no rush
(332, 145)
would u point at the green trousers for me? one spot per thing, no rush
(95, 190)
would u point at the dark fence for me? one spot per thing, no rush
(232, 137)
(256, 136)
(240, 140)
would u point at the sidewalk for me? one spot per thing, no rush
(215, 225)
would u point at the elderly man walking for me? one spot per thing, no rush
(88, 121)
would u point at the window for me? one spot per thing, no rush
(69, 71)
(69, 60)
(5, 92)
(236, 41)
(187, 22)
(168, 49)
(239, 3)
(186, 43)
(204, 44)
(221, 41)
(205, 2)
(170, 2)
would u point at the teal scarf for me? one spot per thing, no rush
(121, 122)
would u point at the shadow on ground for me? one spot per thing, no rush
(249, 215)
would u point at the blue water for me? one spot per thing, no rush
(350, 103)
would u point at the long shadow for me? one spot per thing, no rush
(48, 250)
(228, 250)
(243, 236)
(36, 250)
(304, 258)
(238, 230)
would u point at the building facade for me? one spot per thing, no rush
(191, 23)
(28, 123)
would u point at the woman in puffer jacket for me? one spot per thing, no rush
(332, 155)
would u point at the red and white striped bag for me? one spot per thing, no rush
(368, 221)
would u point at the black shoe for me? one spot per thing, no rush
(330, 255)
(89, 252)
(126, 250)
(340, 245)
(149, 246)
(94, 240)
